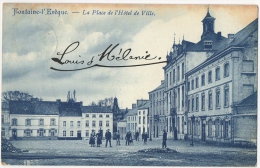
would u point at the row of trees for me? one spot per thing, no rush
(16, 95)
(108, 102)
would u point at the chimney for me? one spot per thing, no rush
(219, 36)
(133, 106)
(231, 37)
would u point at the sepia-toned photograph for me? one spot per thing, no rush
(88, 84)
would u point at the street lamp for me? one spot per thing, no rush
(192, 124)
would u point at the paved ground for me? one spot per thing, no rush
(77, 152)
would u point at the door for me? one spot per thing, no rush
(79, 134)
(14, 134)
(203, 136)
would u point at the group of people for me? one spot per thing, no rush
(128, 138)
(99, 137)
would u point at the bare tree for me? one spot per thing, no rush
(15, 95)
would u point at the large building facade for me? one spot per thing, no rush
(205, 83)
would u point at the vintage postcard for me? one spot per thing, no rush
(90, 84)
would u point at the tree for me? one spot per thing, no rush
(16, 95)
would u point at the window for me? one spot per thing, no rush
(87, 133)
(210, 128)
(93, 115)
(173, 75)
(107, 123)
(3, 132)
(64, 123)
(93, 123)
(178, 73)
(217, 73)
(107, 115)
(196, 128)
(100, 116)
(71, 133)
(226, 96)
(53, 122)
(41, 132)
(170, 78)
(78, 123)
(209, 76)
(87, 123)
(202, 101)
(3, 118)
(217, 128)
(202, 79)
(143, 120)
(52, 131)
(182, 125)
(139, 112)
(87, 115)
(188, 86)
(182, 96)
(182, 70)
(28, 133)
(197, 103)
(210, 100)
(226, 70)
(64, 133)
(197, 82)
(100, 123)
(41, 122)
(14, 121)
(226, 125)
(192, 104)
(192, 84)
(188, 104)
(143, 112)
(71, 123)
(28, 122)
(139, 120)
(217, 98)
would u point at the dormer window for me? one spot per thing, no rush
(207, 44)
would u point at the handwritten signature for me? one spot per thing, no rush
(107, 54)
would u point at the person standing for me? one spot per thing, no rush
(108, 137)
(92, 139)
(118, 138)
(164, 139)
(137, 136)
(99, 138)
(145, 138)
(128, 137)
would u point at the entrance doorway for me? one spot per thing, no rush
(79, 134)
(203, 135)
(14, 134)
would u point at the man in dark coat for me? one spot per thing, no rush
(145, 137)
(128, 137)
(108, 137)
(137, 136)
(164, 139)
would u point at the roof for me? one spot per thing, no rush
(145, 106)
(250, 100)
(132, 112)
(95, 109)
(33, 107)
(70, 109)
(216, 42)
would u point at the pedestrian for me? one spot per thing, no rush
(108, 137)
(128, 137)
(142, 136)
(99, 138)
(137, 136)
(118, 138)
(164, 139)
(145, 138)
(92, 139)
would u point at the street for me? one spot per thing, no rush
(77, 152)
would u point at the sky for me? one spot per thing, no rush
(30, 41)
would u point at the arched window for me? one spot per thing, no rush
(210, 128)
(226, 69)
(14, 122)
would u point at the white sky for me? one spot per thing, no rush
(30, 41)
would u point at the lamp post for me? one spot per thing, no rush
(192, 124)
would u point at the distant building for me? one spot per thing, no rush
(97, 118)
(157, 115)
(34, 119)
(5, 121)
(70, 120)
